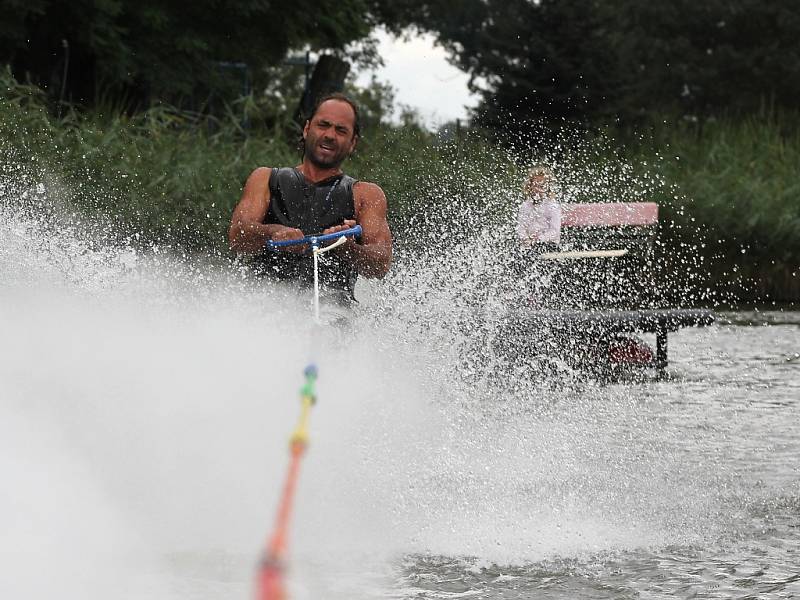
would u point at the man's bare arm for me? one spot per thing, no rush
(373, 256)
(248, 233)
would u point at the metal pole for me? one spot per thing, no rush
(661, 347)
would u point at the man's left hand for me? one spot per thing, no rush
(347, 224)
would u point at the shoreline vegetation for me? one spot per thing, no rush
(727, 189)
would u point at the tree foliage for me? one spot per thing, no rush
(595, 60)
(616, 59)
(710, 57)
(163, 49)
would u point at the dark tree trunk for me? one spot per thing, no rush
(328, 77)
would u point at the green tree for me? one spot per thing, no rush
(707, 58)
(610, 60)
(163, 49)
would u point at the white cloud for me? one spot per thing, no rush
(422, 78)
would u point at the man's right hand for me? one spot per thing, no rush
(281, 233)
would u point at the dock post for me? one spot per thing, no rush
(661, 347)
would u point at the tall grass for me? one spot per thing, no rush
(733, 186)
(728, 189)
(172, 177)
(166, 175)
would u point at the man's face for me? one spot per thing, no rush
(329, 135)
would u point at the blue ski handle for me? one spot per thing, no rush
(316, 240)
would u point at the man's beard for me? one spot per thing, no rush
(333, 162)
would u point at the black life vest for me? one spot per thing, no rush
(311, 208)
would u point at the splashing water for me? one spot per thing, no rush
(146, 402)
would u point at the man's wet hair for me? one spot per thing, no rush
(341, 98)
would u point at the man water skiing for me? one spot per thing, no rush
(316, 197)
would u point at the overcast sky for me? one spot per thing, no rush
(422, 78)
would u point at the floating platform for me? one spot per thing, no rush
(601, 275)
(605, 323)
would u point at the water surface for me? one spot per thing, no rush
(146, 402)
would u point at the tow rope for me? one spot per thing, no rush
(270, 584)
(315, 241)
(270, 579)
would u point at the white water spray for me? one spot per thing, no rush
(146, 403)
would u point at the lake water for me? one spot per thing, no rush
(682, 488)
(147, 401)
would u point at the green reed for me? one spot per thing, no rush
(731, 189)
(173, 177)
(728, 190)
